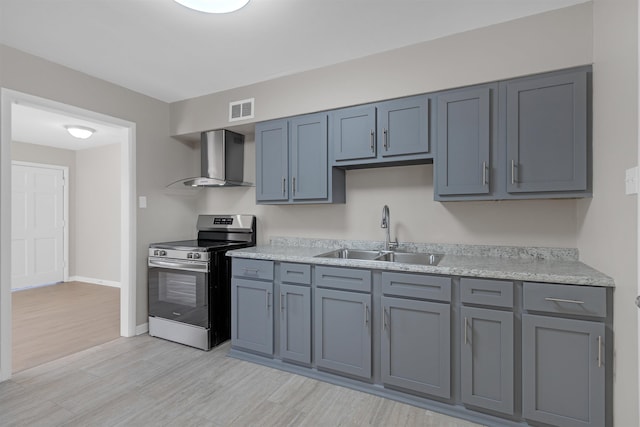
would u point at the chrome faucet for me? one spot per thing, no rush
(386, 223)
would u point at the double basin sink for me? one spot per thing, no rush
(385, 256)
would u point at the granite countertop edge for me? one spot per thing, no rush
(560, 270)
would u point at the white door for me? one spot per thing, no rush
(37, 225)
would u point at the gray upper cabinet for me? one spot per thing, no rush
(292, 162)
(416, 350)
(546, 131)
(467, 124)
(390, 132)
(272, 161)
(563, 371)
(343, 332)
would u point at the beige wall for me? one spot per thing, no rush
(53, 156)
(98, 195)
(607, 224)
(159, 158)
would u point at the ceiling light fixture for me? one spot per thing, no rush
(213, 6)
(81, 132)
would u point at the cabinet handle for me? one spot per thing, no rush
(281, 302)
(251, 270)
(293, 185)
(513, 172)
(366, 314)
(599, 351)
(372, 139)
(386, 139)
(268, 301)
(466, 326)
(284, 186)
(384, 319)
(572, 301)
(484, 173)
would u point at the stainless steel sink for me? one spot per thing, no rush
(384, 256)
(351, 254)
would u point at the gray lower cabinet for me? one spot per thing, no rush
(295, 323)
(563, 372)
(487, 359)
(416, 349)
(343, 332)
(252, 315)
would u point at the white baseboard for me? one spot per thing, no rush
(142, 329)
(91, 280)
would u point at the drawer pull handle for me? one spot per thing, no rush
(251, 270)
(572, 301)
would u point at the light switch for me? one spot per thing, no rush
(631, 181)
(142, 202)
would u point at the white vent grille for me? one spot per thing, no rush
(241, 110)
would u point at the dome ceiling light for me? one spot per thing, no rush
(213, 6)
(81, 132)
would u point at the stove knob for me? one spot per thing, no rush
(196, 256)
(189, 255)
(156, 253)
(163, 253)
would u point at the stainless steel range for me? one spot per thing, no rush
(189, 281)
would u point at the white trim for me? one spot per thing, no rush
(142, 329)
(95, 281)
(65, 202)
(9, 97)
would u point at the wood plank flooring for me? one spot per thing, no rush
(145, 381)
(58, 320)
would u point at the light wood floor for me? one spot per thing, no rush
(145, 381)
(55, 321)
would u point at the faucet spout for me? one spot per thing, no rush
(386, 224)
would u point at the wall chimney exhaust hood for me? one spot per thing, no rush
(221, 161)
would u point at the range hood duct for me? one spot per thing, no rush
(221, 160)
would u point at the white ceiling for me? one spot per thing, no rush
(163, 50)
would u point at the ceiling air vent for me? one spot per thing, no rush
(241, 110)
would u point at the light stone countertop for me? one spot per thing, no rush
(549, 265)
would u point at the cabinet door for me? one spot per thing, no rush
(252, 315)
(563, 371)
(463, 163)
(403, 125)
(547, 133)
(343, 332)
(354, 133)
(295, 323)
(272, 161)
(309, 158)
(416, 348)
(487, 359)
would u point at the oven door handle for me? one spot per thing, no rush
(198, 267)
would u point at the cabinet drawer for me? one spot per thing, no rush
(565, 299)
(343, 278)
(252, 268)
(497, 293)
(295, 273)
(417, 286)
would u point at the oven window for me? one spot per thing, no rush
(178, 288)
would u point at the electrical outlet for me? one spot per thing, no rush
(631, 181)
(142, 202)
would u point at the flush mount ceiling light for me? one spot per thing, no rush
(81, 132)
(213, 6)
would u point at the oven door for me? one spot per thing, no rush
(179, 290)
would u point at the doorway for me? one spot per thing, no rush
(9, 99)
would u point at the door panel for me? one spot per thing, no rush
(272, 161)
(309, 157)
(37, 226)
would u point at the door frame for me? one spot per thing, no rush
(9, 97)
(65, 207)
